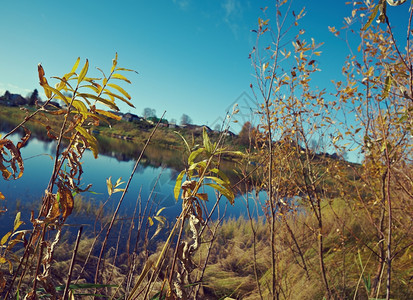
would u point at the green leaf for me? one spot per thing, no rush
(222, 175)
(387, 86)
(228, 193)
(229, 152)
(194, 154)
(83, 73)
(207, 142)
(186, 143)
(177, 188)
(217, 180)
(199, 166)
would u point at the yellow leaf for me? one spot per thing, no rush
(120, 77)
(54, 211)
(80, 106)
(121, 90)
(160, 219)
(43, 81)
(159, 211)
(226, 191)
(150, 221)
(92, 87)
(127, 70)
(5, 237)
(75, 66)
(91, 140)
(2, 196)
(114, 63)
(202, 196)
(17, 221)
(109, 185)
(58, 94)
(108, 103)
(372, 17)
(112, 95)
(108, 114)
(66, 201)
(83, 73)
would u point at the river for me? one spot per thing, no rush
(25, 193)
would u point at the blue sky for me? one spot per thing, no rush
(192, 56)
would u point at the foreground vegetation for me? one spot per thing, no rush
(326, 228)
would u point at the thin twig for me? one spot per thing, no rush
(72, 263)
(123, 196)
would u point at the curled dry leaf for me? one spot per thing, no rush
(10, 157)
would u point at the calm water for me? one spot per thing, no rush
(25, 193)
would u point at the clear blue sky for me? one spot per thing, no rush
(192, 56)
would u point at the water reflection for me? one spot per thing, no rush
(153, 182)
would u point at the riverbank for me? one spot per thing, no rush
(121, 139)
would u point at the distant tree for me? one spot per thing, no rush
(33, 97)
(247, 134)
(173, 121)
(149, 113)
(185, 119)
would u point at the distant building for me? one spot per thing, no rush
(9, 99)
(128, 117)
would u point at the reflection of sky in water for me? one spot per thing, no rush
(38, 167)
